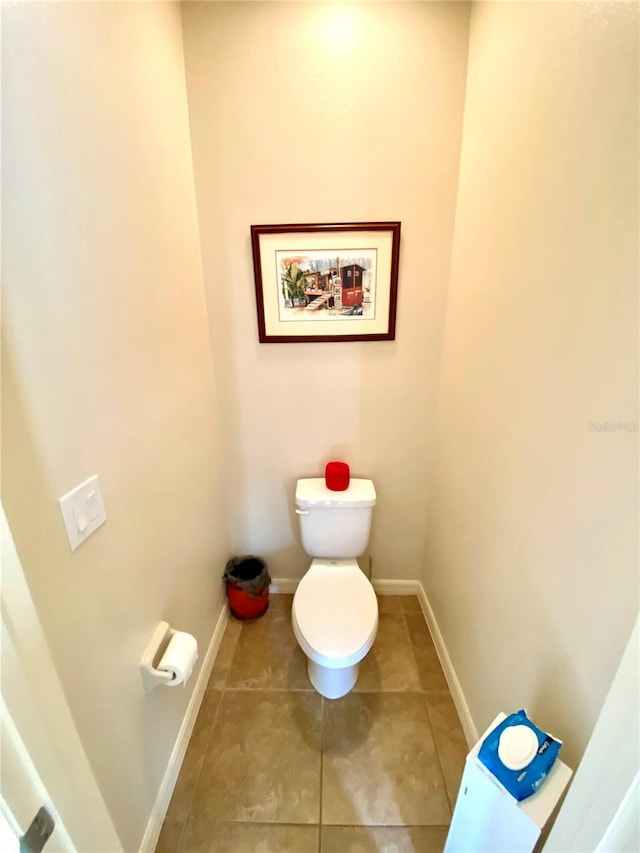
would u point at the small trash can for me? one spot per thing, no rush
(247, 581)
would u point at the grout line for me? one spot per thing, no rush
(180, 837)
(384, 826)
(221, 691)
(413, 652)
(437, 748)
(199, 773)
(246, 820)
(428, 691)
(268, 689)
(233, 654)
(323, 700)
(182, 832)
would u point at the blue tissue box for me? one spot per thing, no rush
(519, 755)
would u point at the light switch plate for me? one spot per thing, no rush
(82, 511)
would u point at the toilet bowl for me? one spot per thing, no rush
(335, 621)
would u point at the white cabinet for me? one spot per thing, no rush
(488, 820)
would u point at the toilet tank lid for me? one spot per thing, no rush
(314, 492)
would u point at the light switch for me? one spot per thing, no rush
(82, 522)
(82, 511)
(94, 502)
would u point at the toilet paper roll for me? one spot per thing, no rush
(179, 658)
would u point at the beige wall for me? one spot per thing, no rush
(531, 545)
(321, 112)
(326, 112)
(107, 368)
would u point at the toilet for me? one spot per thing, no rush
(335, 610)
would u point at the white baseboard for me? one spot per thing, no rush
(284, 585)
(396, 587)
(159, 810)
(470, 731)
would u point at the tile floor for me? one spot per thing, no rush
(273, 767)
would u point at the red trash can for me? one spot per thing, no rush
(247, 581)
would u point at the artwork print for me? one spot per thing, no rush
(326, 285)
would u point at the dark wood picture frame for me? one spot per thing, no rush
(326, 282)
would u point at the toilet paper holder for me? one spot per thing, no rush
(152, 677)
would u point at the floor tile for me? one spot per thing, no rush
(267, 655)
(450, 740)
(194, 756)
(392, 750)
(390, 839)
(431, 674)
(280, 601)
(169, 840)
(410, 603)
(204, 836)
(225, 654)
(388, 603)
(263, 760)
(391, 663)
(380, 765)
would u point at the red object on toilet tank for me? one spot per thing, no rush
(336, 476)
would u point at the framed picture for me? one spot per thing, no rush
(327, 282)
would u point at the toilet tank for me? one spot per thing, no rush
(335, 524)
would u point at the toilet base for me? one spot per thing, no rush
(332, 683)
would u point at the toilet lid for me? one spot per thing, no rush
(336, 609)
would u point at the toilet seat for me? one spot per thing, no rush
(335, 613)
